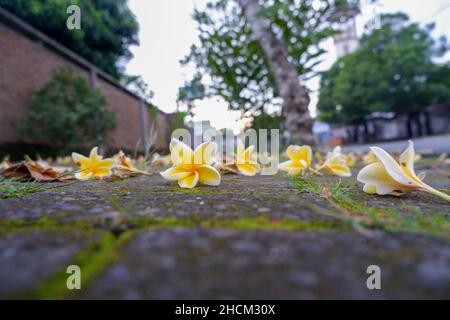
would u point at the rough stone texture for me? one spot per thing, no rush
(410, 203)
(28, 259)
(162, 261)
(228, 264)
(237, 196)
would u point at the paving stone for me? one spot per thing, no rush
(27, 259)
(236, 197)
(229, 264)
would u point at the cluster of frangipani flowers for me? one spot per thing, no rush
(95, 167)
(383, 175)
(300, 159)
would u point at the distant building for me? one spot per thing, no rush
(321, 131)
(346, 41)
(387, 126)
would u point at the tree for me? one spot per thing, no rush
(67, 112)
(392, 71)
(108, 28)
(256, 53)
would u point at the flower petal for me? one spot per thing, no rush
(392, 167)
(336, 165)
(249, 155)
(106, 163)
(370, 188)
(94, 156)
(375, 174)
(176, 173)
(204, 153)
(190, 181)
(208, 175)
(298, 153)
(407, 159)
(83, 175)
(288, 165)
(80, 160)
(101, 172)
(248, 169)
(295, 171)
(180, 152)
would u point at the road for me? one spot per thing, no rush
(433, 144)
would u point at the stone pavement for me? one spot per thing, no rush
(263, 237)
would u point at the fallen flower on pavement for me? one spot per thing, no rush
(245, 160)
(190, 167)
(125, 165)
(299, 160)
(336, 164)
(5, 164)
(94, 166)
(387, 176)
(161, 161)
(350, 159)
(226, 164)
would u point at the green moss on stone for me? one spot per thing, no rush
(92, 262)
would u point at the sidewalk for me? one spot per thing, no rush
(262, 237)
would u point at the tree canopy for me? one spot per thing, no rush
(392, 71)
(108, 28)
(232, 63)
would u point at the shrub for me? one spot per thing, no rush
(66, 113)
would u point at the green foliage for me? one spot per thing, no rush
(234, 61)
(267, 121)
(393, 70)
(108, 28)
(68, 113)
(138, 86)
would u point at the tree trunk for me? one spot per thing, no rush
(355, 133)
(428, 128)
(409, 127)
(366, 131)
(419, 125)
(295, 96)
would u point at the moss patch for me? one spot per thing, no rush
(92, 262)
(360, 215)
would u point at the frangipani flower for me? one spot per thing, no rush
(245, 160)
(190, 167)
(350, 159)
(161, 161)
(336, 164)
(125, 165)
(387, 176)
(369, 158)
(299, 160)
(94, 166)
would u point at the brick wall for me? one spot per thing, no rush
(26, 64)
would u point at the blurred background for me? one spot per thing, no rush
(124, 74)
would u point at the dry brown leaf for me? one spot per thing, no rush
(227, 169)
(33, 170)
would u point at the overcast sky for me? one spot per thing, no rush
(167, 31)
